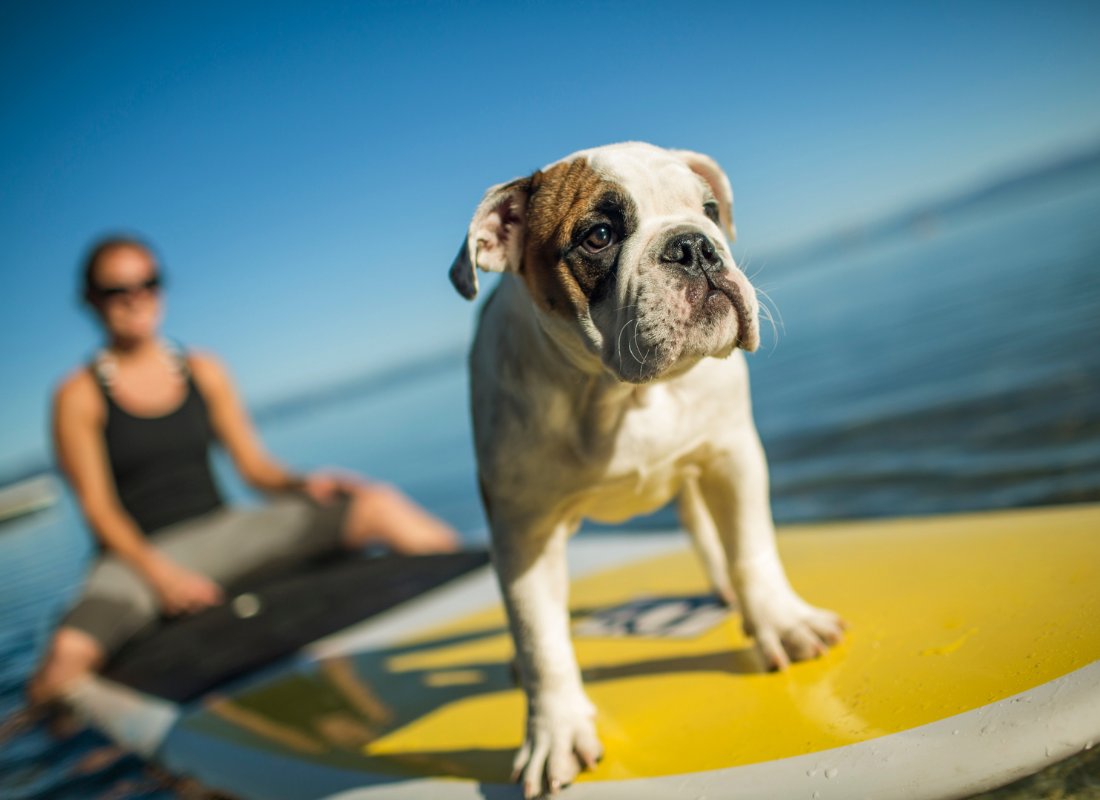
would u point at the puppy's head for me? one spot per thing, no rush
(625, 246)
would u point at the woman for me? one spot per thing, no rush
(131, 434)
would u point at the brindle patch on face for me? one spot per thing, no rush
(566, 201)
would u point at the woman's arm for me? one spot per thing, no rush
(78, 418)
(234, 429)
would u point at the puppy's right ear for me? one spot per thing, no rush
(494, 241)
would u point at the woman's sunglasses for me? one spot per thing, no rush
(110, 292)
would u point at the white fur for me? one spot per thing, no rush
(561, 437)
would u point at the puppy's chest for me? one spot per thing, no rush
(645, 462)
(651, 440)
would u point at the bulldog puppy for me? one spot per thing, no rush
(606, 381)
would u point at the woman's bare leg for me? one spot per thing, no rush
(67, 681)
(379, 514)
(72, 655)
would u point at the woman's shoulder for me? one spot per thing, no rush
(208, 369)
(78, 393)
(205, 362)
(202, 359)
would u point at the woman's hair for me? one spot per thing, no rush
(98, 250)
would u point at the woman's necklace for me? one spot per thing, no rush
(169, 354)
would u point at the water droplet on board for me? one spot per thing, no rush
(831, 772)
(955, 732)
(811, 773)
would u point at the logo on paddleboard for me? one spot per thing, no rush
(654, 617)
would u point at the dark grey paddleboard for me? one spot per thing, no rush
(267, 620)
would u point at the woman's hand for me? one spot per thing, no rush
(180, 590)
(325, 487)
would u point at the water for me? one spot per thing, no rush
(948, 367)
(954, 369)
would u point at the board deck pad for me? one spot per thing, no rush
(266, 620)
(946, 615)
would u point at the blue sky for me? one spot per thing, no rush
(307, 170)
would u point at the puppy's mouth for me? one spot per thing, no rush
(713, 295)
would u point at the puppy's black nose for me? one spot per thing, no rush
(693, 251)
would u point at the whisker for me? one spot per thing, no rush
(770, 304)
(766, 304)
(619, 343)
(769, 311)
(743, 265)
(766, 313)
(634, 341)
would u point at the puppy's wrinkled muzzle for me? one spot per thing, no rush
(713, 290)
(748, 326)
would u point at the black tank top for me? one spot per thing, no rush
(161, 465)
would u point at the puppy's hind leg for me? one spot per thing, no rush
(699, 523)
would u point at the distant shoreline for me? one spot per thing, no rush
(919, 215)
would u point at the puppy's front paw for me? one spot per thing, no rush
(561, 740)
(786, 629)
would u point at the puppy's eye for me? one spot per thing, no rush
(598, 238)
(711, 210)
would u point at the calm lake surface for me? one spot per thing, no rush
(951, 365)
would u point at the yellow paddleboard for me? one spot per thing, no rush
(973, 658)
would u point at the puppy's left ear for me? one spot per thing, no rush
(707, 169)
(494, 241)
